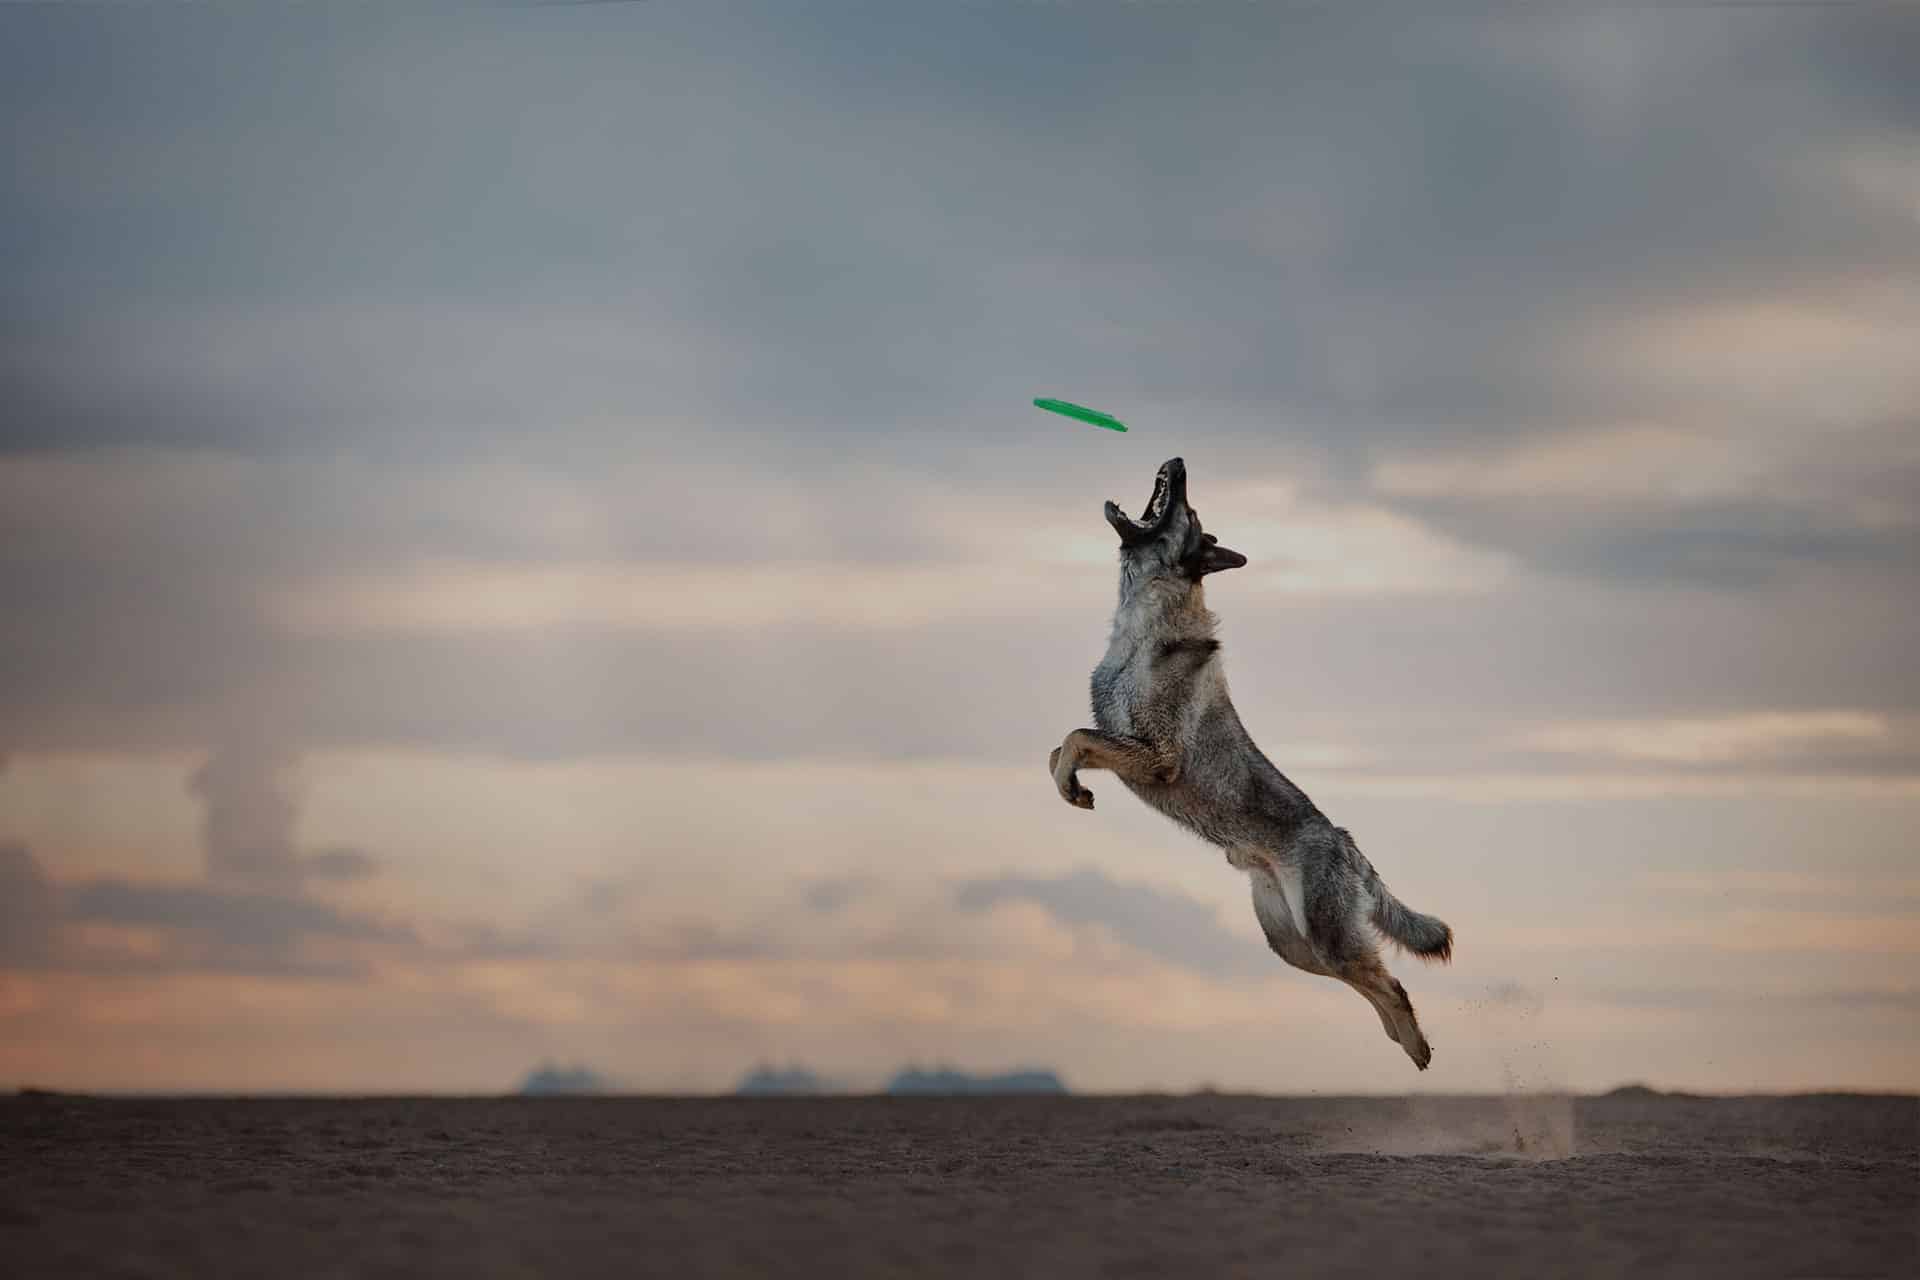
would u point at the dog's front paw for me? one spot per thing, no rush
(1072, 792)
(1068, 785)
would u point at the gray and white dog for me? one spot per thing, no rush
(1168, 730)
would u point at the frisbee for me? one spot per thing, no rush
(1081, 412)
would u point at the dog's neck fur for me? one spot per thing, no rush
(1159, 610)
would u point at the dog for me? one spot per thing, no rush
(1167, 729)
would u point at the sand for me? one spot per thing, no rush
(1824, 1186)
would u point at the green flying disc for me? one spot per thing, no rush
(1081, 412)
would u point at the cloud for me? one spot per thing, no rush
(542, 651)
(119, 926)
(1752, 737)
(337, 468)
(342, 618)
(248, 819)
(340, 864)
(1358, 552)
(1392, 255)
(1830, 890)
(247, 822)
(649, 597)
(250, 915)
(1628, 463)
(1160, 922)
(1898, 1001)
(226, 918)
(1728, 544)
(29, 907)
(829, 894)
(1753, 930)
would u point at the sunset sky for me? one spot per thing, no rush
(523, 535)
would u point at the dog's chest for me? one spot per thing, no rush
(1119, 687)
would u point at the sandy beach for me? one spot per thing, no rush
(1814, 1186)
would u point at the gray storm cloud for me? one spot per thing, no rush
(247, 822)
(692, 287)
(1375, 227)
(248, 915)
(28, 909)
(247, 816)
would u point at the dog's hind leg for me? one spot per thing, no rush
(1368, 976)
(1386, 1018)
(1276, 893)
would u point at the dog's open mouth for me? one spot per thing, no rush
(1167, 486)
(1157, 504)
(1162, 490)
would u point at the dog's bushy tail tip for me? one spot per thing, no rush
(1428, 937)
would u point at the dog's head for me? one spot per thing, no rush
(1167, 540)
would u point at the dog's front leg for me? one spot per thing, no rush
(1133, 759)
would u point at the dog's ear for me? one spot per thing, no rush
(1214, 557)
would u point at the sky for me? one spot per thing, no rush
(524, 535)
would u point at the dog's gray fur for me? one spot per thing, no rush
(1168, 730)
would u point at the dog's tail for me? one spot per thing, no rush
(1426, 936)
